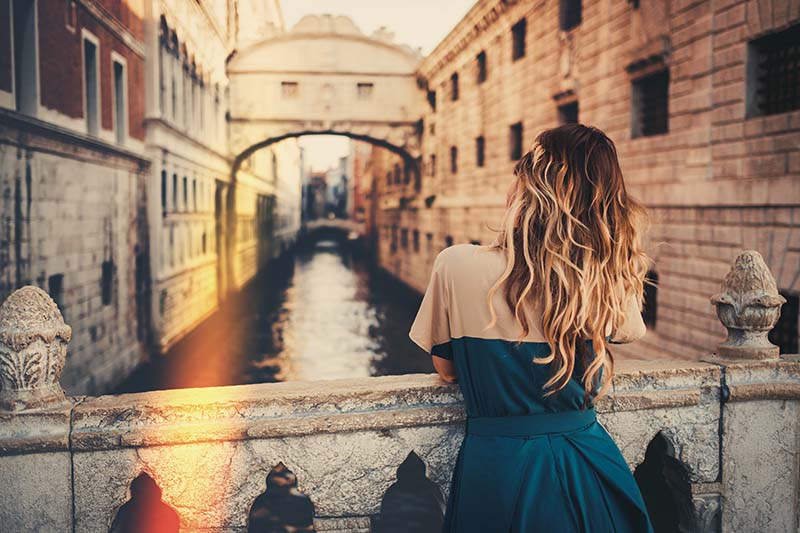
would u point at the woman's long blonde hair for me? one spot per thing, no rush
(573, 243)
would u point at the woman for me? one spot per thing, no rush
(523, 326)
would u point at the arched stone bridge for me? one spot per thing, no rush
(325, 77)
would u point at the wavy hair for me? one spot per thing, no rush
(572, 238)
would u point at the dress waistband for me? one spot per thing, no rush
(526, 425)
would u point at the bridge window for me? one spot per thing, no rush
(412, 503)
(453, 159)
(281, 507)
(570, 14)
(146, 511)
(773, 73)
(568, 113)
(365, 90)
(650, 107)
(432, 100)
(480, 147)
(481, 60)
(515, 141)
(454, 86)
(519, 33)
(290, 89)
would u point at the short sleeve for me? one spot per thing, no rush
(431, 327)
(633, 327)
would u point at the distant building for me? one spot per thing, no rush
(73, 175)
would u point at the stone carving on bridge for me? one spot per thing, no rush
(749, 306)
(33, 348)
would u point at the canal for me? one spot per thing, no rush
(322, 312)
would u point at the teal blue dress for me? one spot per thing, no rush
(531, 463)
(528, 462)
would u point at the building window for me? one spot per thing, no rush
(453, 159)
(481, 60)
(650, 307)
(394, 239)
(416, 240)
(290, 89)
(90, 83)
(773, 73)
(568, 113)
(454, 86)
(519, 33)
(25, 65)
(55, 287)
(398, 174)
(569, 14)
(106, 282)
(388, 178)
(194, 194)
(365, 90)
(480, 147)
(185, 193)
(174, 192)
(120, 104)
(71, 15)
(407, 172)
(785, 333)
(164, 192)
(432, 100)
(433, 165)
(448, 241)
(515, 141)
(404, 238)
(650, 107)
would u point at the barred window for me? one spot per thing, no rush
(481, 60)
(570, 14)
(518, 33)
(515, 141)
(568, 113)
(650, 106)
(480, 148)
(773, 73)
(785, 333)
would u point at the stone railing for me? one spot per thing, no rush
(715, 442)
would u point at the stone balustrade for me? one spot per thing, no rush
(721, 436)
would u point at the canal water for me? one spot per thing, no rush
(322, 313)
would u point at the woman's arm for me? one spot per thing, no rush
(445, 368)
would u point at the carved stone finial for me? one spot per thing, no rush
(33, 348)
(749, 306)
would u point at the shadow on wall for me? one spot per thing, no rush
(145, 512)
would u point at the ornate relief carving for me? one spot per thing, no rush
(33, 348)
(749, 306)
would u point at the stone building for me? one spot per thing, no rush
(73, 174)
(701, 100)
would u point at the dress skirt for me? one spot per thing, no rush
(550, 472)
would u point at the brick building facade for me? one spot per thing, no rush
(73, 175)
(699, 96)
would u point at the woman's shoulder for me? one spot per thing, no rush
(470, 264)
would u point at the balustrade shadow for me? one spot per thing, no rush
(666, 488)
(145, 512)
(281, 508)
(413, 503)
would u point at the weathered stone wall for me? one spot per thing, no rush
(210, 450)
(719, 180)
(68, 206)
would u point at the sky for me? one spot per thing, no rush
(414, 22)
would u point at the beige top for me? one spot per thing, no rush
(455, 304)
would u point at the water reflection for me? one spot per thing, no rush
(323, 313)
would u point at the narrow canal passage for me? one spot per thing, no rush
(324, 312)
